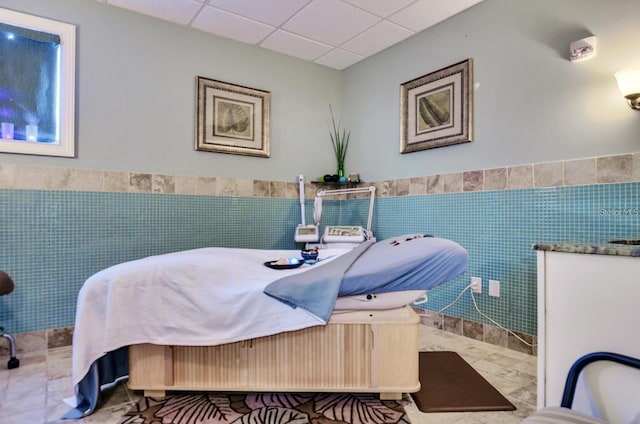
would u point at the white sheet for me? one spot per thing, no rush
(198, 297)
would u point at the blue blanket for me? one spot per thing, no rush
(105, 372)
(408, 262)
(316, 290)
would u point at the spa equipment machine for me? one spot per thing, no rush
(336, 235)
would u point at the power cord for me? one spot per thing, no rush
(479, 311)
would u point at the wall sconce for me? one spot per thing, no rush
(629, 83)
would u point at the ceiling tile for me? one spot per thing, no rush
(377, 38)
(291, 44)
(307, 29)
(272, 12)
(425, 13)
(339, 59)
(382, 8)
(330, 21)
(232, 26)
(178, 11)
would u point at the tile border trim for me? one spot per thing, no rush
(520, 342)
(586, 171)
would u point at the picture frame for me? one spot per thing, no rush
(436, 109)
(232, 118)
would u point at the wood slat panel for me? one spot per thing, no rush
(211, 366)
(319, 357)
(375, 352)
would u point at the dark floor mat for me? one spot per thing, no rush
(450, 384)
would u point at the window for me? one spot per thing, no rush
(37, 85)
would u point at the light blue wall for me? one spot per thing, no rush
(531, 104)
(136, 92)
(136, 96)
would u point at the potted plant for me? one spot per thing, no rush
(340, 142)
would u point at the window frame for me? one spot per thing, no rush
(65, 145)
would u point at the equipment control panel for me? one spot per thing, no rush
(340, 233)
(307, 233)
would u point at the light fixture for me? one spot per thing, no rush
(629, 83)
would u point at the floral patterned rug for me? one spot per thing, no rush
(272, 408)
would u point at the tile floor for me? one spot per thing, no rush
(34, 392)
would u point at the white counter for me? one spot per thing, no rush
(588, 303)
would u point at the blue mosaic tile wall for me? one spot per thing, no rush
(54, 240)
(498, 229)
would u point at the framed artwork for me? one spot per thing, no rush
(232, 118)
(436, 109)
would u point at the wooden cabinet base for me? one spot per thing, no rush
(362, 351)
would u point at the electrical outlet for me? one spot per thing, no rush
(494, 288)
(476, 284)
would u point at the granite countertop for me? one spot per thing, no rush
(603, 248)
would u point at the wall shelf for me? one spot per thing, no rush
(348, 184)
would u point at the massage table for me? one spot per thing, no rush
(341, 325)
(357, 351)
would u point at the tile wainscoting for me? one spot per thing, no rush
(33, 200)
(588, 171)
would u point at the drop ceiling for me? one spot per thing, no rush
(333, 33)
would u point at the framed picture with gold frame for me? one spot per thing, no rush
(437, 109)
(232, 118)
